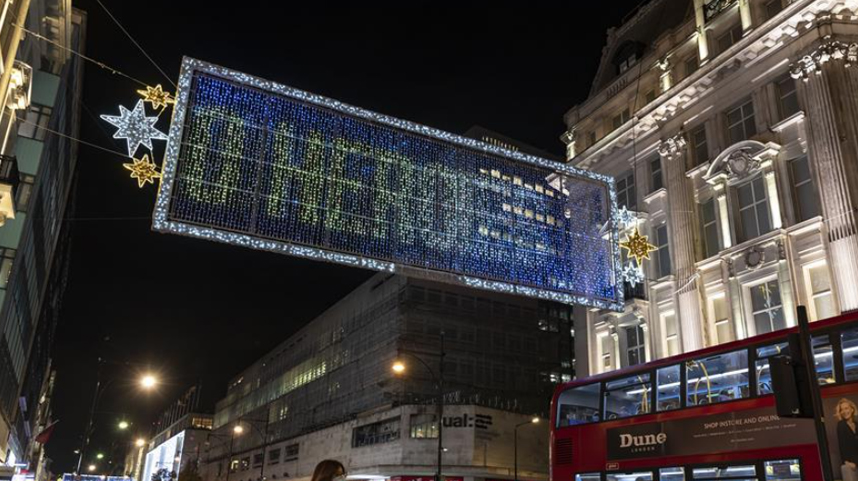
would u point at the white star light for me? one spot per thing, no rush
(633, 274)
(135, 127)
(626, 217)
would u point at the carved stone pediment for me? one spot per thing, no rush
(740, 161)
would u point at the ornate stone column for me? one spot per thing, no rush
(829, 91)
(681, 214)
(700, 23)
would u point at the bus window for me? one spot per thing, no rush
(764, 374)
(849, 343)
(783, 470)
(717, 379)
(588, 477)
(628, 396)
(667, 382)
(671, 474)
(642, 476)
(578, 405)
(824, 359)
(735, 473)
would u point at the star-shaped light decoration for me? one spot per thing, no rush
(156, 96)
(135, 127)
(626, 217)
(633, 274)
(144, 170)
(638, 246)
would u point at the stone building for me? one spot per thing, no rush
(731, 127)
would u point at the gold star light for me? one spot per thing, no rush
(143, 170)
(638, 246)
(156, 96)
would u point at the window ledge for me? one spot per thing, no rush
(789, 121)
(663, 282)
(660, 193)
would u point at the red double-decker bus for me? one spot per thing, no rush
(709, 415)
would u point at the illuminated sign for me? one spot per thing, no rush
(261, 165)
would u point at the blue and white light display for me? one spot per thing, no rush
(261, 165)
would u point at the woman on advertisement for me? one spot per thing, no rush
(847, 438)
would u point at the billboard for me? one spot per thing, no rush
(168, 455)
(261, 165)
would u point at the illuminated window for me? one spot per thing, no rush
(668, 388)
(766, 306)
(717, 379)
(642, 476)
(818, 283)
(376, 433)
(628, 396)
(721, 316)
(626, 195)
(671, 333)
(579, 405)
(763, 369)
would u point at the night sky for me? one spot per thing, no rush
(197, 311)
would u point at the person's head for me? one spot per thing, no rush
(328, 469)
(846, 410)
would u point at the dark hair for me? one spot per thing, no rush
(327, 470)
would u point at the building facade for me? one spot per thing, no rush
(42, 95)
(334, 379)
(178, 447)
(731, 127)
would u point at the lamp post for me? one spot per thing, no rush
(238, 430)
(399, 368)
(515, 445)
(148, 382)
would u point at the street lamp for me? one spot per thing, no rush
(398, 368)
(147, 382)
(91, 468)
(535, 420)
(140, 442)
(123, 425)
(238, 430)
(99, 456)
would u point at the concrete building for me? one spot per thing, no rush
(40, 88)
(329, 390)
(731, 127)
(178, 446)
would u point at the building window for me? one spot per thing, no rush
(258, 459)
(698, 143)
(23, 192)
(245, 463)
(767, 308)
(729, 38)
(819, 291)
(662, 255)
(787, 97)
(806, 202)
(740, 122)
(670, 329)
(7, 258)
(274, 456)
(709, 224)
(291, 452)
(649, 97)
(691, 65)
(721, 318)
(233, 466)
(591, 137)
(621, 118)
(656, 174)
(635, 346)
(753, 209)
(773, 7)
(628, 63)
(626, 195)
(34, 123)
(424, 426)
(376, 433)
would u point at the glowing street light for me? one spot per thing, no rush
(140, 442)
(398, 367)
(91, 468)
(238, 429)
(99, 456)
(123, 425)
(535, 420)
(148, 381)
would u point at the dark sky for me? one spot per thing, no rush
(198, 311)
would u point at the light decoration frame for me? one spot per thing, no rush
(163, 223)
